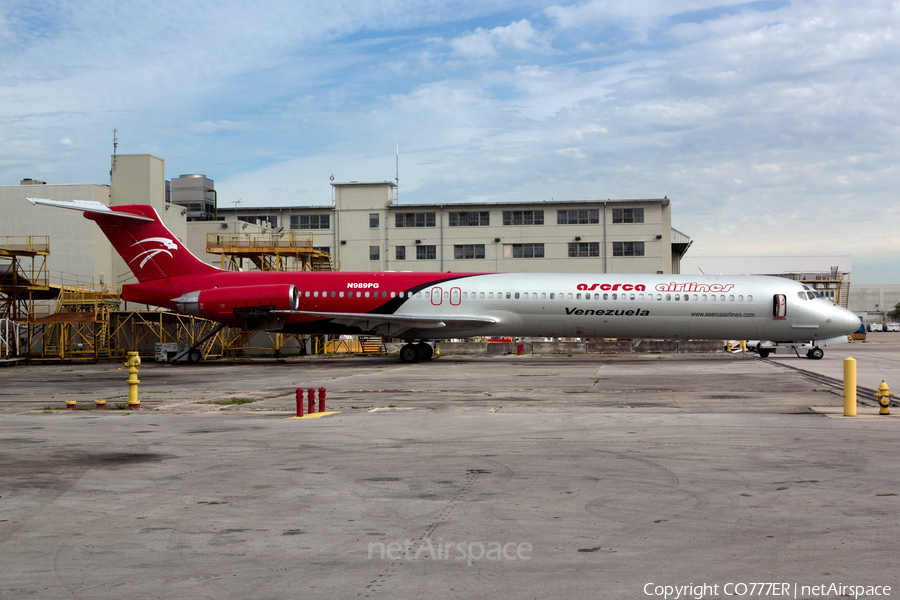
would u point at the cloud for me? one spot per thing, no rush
(225, 125)
(482, 43)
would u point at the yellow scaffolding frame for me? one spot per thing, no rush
(23, 275)
(287, 251)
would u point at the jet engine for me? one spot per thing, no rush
(249, 306)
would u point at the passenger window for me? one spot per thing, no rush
(552, 296)
(722, 298)
(606, 296)
(677, 297)
(704, 297)
(315, 294)
(632, 296)
(490, 294)
(731, 298)
(578, 296)
(695, 297)
(749, 298)
(508, 295)
(367, 294)
(517, 295)
(543, 295)
(668, 297)
(740, 298)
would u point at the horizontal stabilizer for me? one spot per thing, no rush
(91, 207)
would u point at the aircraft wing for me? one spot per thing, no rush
(395, 325)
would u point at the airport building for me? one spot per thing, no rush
(365, 229)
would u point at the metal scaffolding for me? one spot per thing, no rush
(23, 275)
(289, 251)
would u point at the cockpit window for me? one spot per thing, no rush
(811, 295)
(802, 295)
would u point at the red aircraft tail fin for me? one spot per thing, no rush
(141, 239)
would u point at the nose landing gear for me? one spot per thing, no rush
(413, 353)
(815, 354)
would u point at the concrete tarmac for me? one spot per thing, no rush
(512, 477)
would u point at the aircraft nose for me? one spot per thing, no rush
(848, 320)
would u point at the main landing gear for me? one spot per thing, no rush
(413, 353)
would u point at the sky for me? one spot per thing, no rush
(773, 126)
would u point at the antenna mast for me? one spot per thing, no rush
(115, 146)
(397, 178)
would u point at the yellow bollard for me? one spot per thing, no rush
(849, 387)
(884, 396)
(133, 363)
(70, 404)
(100, 403)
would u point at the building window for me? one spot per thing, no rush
(374, 252)
(426, 252)
(470, 219)
(373, 220)
(628, 248)
(400, 253)
(628, 215)
(466, 251)
(523, 217)
(584, 249)
(310, 221)
(523, 251)
(323, 249)
(414, 219)
(583, 216)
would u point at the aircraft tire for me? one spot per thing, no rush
(815, 354)
(763, 353)
(425, 351)
(195, 356)
(409, 353)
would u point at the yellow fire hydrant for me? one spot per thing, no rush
(134, 364)
(884, 396)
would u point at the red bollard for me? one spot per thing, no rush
(311, 400)
(321, 399)
(299, 396)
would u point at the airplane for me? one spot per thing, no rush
(417, 307)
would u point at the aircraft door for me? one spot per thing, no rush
(437, 296)
(779, 306)
(455, 296)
